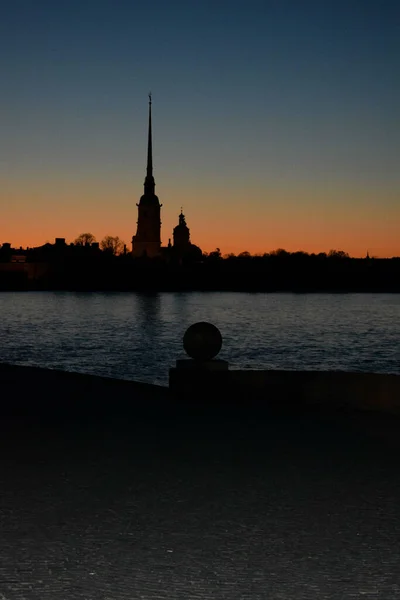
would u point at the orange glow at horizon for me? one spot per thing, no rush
(212, 225)
(275, 127)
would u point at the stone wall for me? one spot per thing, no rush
(289, 390)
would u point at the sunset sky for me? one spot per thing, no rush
(276, 122)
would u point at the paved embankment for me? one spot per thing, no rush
(33, 390)
(188, 506)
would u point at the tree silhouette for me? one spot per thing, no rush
(280, 253)
(112, 244)
(338, 254)
(85, 238)
(215, 255)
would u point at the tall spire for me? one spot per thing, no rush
(149, 184)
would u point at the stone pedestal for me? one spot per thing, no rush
(193, 381)
(200, 379)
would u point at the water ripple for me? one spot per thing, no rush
(138, 336)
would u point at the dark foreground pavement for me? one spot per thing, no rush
(160, 504)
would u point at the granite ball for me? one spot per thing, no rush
(202, 341)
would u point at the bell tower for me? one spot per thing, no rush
(147, 241)
(181, 234)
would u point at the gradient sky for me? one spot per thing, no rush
(276, 122)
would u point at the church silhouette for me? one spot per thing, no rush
(147, 241)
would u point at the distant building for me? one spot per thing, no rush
(181, 234)
(147, 241)
(5, 252)
(182, 250)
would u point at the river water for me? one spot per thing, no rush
(139, 336)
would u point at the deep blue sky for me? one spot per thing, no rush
(284, 112)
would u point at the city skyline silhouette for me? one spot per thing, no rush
(275, 125)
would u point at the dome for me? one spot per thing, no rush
(181, 227)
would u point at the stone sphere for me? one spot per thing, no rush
(202, 341)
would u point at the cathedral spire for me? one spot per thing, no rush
(147, 241)
(149, 184)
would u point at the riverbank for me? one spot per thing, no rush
(60, 268)
(187, 505)
(30, 391)
(36, 395)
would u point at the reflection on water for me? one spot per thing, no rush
(138, 336)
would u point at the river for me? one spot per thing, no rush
(139, 336)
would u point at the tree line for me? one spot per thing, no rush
(110, 244)
(279, 253)
(115, 246)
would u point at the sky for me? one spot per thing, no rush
(276, 123)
